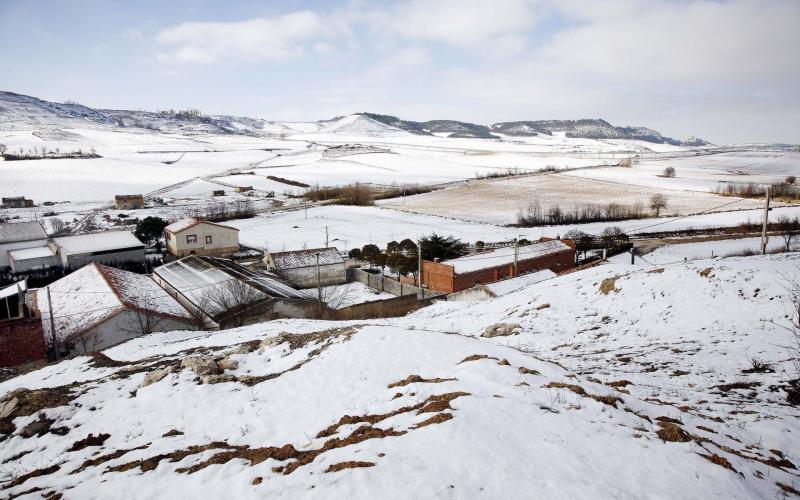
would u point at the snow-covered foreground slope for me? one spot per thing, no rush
(598, 395)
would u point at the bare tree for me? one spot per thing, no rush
(147, 320)
(788, 230)
(233, 298)
(657, 202)
(792, 286)
(3, 148)
(626, 162)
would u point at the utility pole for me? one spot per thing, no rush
(419, 267)
(326, 236)
(319, 282)
(766, 223)
(52, 324)
(516, 256)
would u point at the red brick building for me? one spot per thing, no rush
(497, 264)
(21, 341)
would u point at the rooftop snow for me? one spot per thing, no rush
(95, 293)
(306, 258)
(505, 255)
(31, 253)
(178, 226)
(21, 231)
(503, 287)
(14, 289)
(98, 242)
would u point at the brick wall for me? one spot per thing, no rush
(442, 277)
(21, 341)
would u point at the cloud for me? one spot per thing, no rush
(252, 39)
(464, 23)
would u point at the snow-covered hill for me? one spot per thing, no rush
(614, 382)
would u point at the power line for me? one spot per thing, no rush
(684, 216)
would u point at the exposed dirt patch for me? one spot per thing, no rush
(704, 428)
(716, 459)
(414, 379)
(148, 464)
(501, 330)
(504, 362)
(619, 383)
(673, 433)
(528, 371)
(100, 360)
(90, 440)
(542, 306)
(737, 385)
(705, 273)
(669, 420)
(35, 473)
(171, 433)
(609, 285)
(348, 465)
(94, 462)
(476, 357)
(788, 489)
(608, 400)
(436, 419)
(440, 402)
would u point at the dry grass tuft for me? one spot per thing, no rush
(476, 357)
(609, 285)
(673, 433)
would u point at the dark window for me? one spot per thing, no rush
(208, 240)
(191, 238)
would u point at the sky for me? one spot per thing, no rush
(726, 71)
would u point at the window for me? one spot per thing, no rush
(191, 238)
(208, 240)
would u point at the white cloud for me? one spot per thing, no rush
(465, 23)
(252, 39)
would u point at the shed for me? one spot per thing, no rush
(16, 202)
(110, 247)
(98, 306)
(129, 201)
(497, 264)
(17, 235)
(32, 259)
(304, 270)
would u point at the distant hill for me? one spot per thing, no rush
(21, 112)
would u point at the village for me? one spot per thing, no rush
(83, 293)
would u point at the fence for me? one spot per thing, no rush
(389, 308)
(389, 285)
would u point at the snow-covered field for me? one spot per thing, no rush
(614, 382)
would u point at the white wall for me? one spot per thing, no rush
(221, 238)
(5, 247)
(119, 328)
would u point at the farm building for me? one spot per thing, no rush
(225, 294)
(299, 267)
(129, 201)
(21, 337)
(497, 264)
(18, 235)
(112, 247)
(16, 202)
(198, 237)
(98, 306)
(32, 259)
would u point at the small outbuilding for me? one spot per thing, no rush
(110, 247)
(129, 201)
(32, 259)
(193, 236)
(309, 267)
(18, 235)
(16, 202)
(497, 264)
(97, 307)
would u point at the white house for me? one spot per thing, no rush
(198, 237)
(98, 306)
(309, 267)
(18, 235)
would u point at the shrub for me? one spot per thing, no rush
(669, 172)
